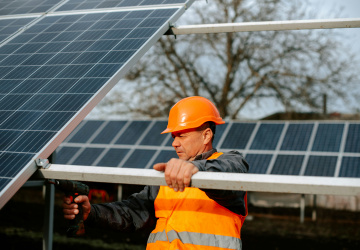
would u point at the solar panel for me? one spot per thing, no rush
(328, 137)
(57, 69)
(321, 166)
(154, 137)
(86, 131)
(165, 156)
(14, 7)
(133, 132)
(259, 163)
(9, 27)
(288, 164)
(350, 167)
(242, 131)
(65, 154)
(267, 136)
(109, 132)
(139, 158)
(294, 157)
(219, 133)
(98, 4)
(353, 139)
(113, 157)
(297, 137)
(88, 156)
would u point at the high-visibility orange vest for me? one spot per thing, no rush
(191, 220)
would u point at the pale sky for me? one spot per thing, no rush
(351, 39)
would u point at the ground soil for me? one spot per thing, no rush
(22, 218)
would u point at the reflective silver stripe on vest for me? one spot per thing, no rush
(159, 236)
(198, 239)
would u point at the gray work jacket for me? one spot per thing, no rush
(138, 212)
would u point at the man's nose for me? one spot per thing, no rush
(175, 142)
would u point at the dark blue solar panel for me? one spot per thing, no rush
(74, 131)
(88, 156)
(9, 160)
(258, 163)
(218, 134)
(169, 142)
(297, 137)
(238, 135)
(288, 164)
(321, 166)
(350, 167)
(113, 157)
(154, 136)
(353, 139)
(133, 132)
(56, 64)
(109, 132)
(267, 136)
(139, 158)
(20, 120)
(86, 131)
(31, 141)
(165, 156)
(64, 154)
(53, 121)
(4, 182)
(328, 138)
(15, 7)
(7, 137)
(98, 4)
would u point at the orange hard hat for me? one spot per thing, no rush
(192, 112)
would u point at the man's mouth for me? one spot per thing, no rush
(179, 153)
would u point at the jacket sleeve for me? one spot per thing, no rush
(231, 162)
(135, 213)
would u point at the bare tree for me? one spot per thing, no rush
(232, 69)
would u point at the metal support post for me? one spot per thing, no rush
(49, 216)
(302, 208)
(314, 208)
(119, 192)
(49, 212)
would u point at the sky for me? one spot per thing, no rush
(350, 37)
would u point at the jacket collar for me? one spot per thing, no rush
(205, 155)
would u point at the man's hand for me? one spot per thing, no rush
(178, 173)
(71, 209)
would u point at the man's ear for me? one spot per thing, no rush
(207, 135)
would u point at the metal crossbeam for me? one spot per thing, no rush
(268, 26)
(209, 180)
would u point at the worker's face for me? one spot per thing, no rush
(189, 143)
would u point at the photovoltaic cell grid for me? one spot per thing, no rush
(55, 67)
(15, 7)
(131, 144)
(9, 27)
(99, 4)
(284, 148)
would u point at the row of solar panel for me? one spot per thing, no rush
(317, 165)
(15, 7)
(139, 144)
(315, 137)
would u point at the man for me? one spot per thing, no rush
(185, 217)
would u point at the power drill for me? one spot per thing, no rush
(74, 189)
